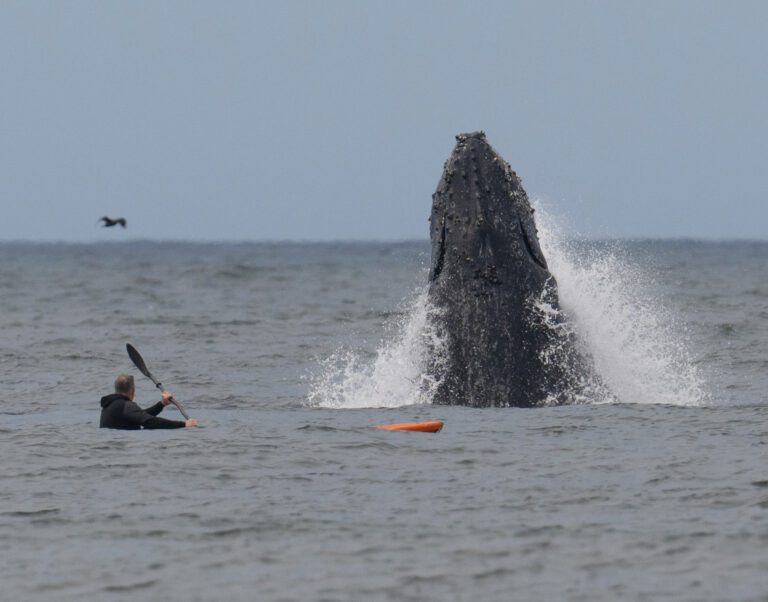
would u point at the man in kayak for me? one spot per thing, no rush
(119, 411)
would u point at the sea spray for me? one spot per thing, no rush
(396, 376)
(635, 345)
(638, 349)
(565, 354)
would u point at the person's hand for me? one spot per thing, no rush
(167, 398)
(191, 422)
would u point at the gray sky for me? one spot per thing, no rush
(327, 120)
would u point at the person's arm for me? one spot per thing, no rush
(153, 422)
(158, 407)
(155, 409)
(135, 415)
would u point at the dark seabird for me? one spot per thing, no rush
(109, 222)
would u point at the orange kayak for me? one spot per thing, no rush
(432, 426)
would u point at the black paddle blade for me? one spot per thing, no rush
(138, 361)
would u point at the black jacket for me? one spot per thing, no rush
(119, 412)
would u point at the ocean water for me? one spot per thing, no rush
(288, 353)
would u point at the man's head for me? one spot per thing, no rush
(124, 385)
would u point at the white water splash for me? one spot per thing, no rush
(398, 375)
(582, 384)
(636, 346)
(632, 339)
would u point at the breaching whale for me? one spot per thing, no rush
(495, 303)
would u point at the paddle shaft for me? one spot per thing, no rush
(173, 401)
(139, 363)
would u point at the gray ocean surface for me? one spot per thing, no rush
(288, 353)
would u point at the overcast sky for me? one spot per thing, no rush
(324, 120)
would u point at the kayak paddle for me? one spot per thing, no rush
(139, 363)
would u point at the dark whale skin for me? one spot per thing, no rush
(487, 276)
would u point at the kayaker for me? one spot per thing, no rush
(119, 411)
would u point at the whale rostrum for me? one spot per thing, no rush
(495, 303)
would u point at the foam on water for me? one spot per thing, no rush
(638, 351)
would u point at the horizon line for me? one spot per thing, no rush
(320, 241)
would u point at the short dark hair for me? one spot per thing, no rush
(124, 384)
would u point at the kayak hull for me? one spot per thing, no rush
(430, 426)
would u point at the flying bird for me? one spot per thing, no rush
(109, 222)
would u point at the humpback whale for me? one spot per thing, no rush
(494, 301)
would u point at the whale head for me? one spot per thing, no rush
(482, 219)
